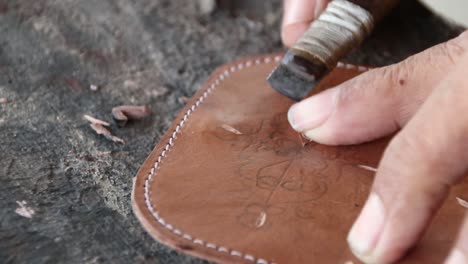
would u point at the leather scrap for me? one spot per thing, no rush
(231, 182)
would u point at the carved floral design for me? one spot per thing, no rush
(280, 175)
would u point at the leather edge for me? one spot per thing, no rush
(143, 214)
(164, 236)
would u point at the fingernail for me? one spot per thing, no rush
(312, 112)
(456, 257)
(365, 232)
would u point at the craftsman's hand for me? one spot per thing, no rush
(298, 14)
(426, 96)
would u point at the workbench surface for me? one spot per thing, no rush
(146, 52)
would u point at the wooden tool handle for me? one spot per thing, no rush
(339, 29)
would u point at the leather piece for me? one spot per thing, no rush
(234, 183)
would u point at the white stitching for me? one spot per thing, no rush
(249, 257)
(198, 241)
(223, 249)
(362, 68)
(211, 245)
(153, 170)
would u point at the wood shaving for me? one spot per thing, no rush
(3, 100)
(130, 84)
(206, 6)
(231, 129)
(23, 210)
(94, 120)
(124, 113)
(159, 91)
(462, 202)
(261, 220)
(182, 100)
(303, 139)
(101, 130)
(99, 126)
(369, 168)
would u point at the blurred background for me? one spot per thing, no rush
(454, 9)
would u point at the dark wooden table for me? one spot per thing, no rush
(145, 52)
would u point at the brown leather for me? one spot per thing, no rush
(233, 182)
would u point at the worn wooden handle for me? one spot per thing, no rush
(341, 27)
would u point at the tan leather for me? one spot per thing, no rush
(234, 183)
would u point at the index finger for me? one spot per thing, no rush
(414, 177)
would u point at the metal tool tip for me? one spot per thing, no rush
(291, 84)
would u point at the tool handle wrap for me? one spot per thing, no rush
(341, 27)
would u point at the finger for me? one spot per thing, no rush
(419, 166)
(459, 254)
(377, 102)
(297, 17)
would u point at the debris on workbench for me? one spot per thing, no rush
(99, 126)
(93, 87)
(462, 202)
(94, 120)
(231, 129)
(24, 210)
(130, 84)
(160, 91)
(182, 100)
(102, 130)
(3, 100)
(124, 113)
(206, 7)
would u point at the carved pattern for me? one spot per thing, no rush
(279, 174)
(151, 206)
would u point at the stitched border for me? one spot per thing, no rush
(221, 77)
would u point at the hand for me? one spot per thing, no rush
(426, 96)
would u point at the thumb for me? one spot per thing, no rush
(298, 14)
(378, 102)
